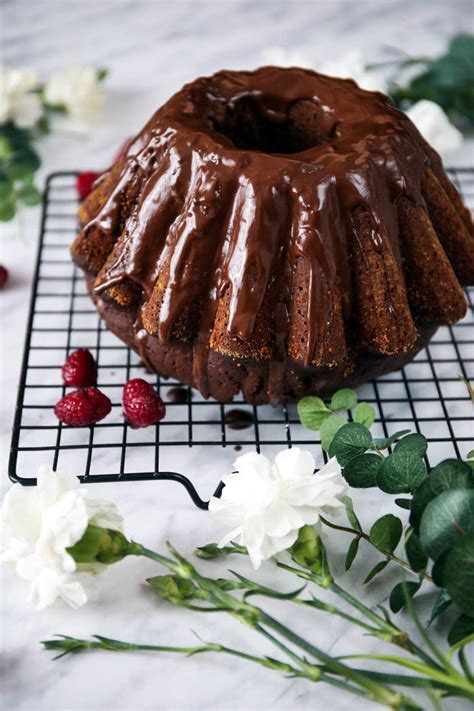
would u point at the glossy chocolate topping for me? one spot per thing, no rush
(241, 175)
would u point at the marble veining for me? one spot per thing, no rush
(151, 48)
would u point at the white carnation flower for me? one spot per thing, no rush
(79, 91)
(17, 102)
(38, 525)
(435, 126)
(351, 65)
(267, 504)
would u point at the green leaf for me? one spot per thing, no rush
(414, 442)
(344, 399)
(386, 532)
(401, 472)
(7, 210)
(399, 592)
(364, 414)
(445, 520)
(385, 442)
(437, 571)
(308, 551)
(312, 412)
(470, 454)
(403, 503)
(415, 553)
(349, 441)
(23, 162)
(5, 148)
(29, 194)
(376, 570)
(101, 73)
(6, 190)
(361, 471)
(329, 428)
(352, 552)
(443, 601)
(459, 573)
(449, 474)
(462, 628)
(43, 125)
(354, 521)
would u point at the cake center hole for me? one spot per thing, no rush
(253, 125)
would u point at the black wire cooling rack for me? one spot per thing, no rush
(427, 395)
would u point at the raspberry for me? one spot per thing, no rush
(83, 407)
(80, 369)
(142, 406)
(85, 182)
(3, 276)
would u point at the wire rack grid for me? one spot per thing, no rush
(427, 395)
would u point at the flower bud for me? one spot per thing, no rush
(308, 551)
(102, 545)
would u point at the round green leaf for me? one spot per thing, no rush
(462, 628)
(7, 209)
(399, 593)
(443, 601)
(344, 399)
(361, 471)
(450, 474)
(437, 571)
(415, 553)
(349, 441)
(401, 472)
(459, 573)
(414, 442)
(386, 532)
(445, 520)
(365, 414)
(29, 194)
(312, 412)
(6, 190)
(329, 428)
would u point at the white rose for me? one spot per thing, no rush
(267, 504)
(17, 102)
(38, 525)
(435, 126)
(79, 91)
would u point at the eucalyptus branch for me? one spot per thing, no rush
(365, 536)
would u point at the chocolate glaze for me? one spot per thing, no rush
(234, 190)
(177, 395)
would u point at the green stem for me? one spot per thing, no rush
(362, 534)
(376, 691)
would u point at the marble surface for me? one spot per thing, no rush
(151, 48)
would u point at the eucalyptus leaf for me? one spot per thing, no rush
(404, 503)
(329, 428)
(449, 474)
(386, 532)
(415, 553)
(344, 399)
(399, 592)
(402, 471)
(351, 553)
(29, 194)
(414, 442)
(349, 441)
(364, 414)
(443, 601)
(350, 513)
(312, 412)
(7, 209)
(437, 571)
(361, 471)
(381, 565)
(446, 519)
(459, 573)
(462, 628)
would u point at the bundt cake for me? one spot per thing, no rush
(276, 232)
